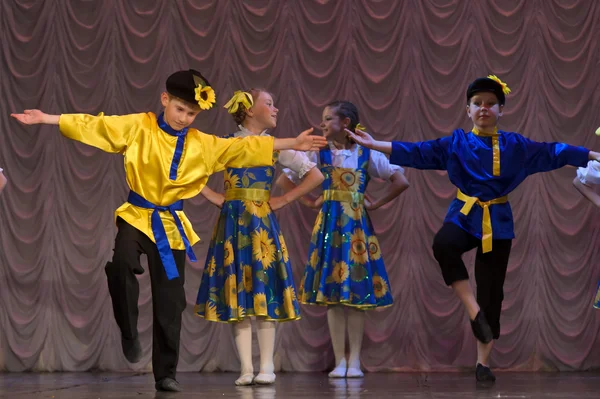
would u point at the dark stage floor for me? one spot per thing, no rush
(302, 385)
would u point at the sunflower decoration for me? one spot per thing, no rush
(260, 304)
(340, 272)
(231, 292)
(204, 94)
(247, 275)
(314, 259)
(374, 249)
(240, 99)
(210, 311)
(505, 88)
(318, 222)
(284, 251)
(211, 267)
(241, 312)
(321, 297)
(358, 273)
(301, 288)
(358, 247)
(352, 209)
(380, 287)
(228, 253)
(230, 180)
(289, 296)
(259, 209)
(346, 180)
(263, 248)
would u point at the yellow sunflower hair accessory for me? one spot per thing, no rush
(360, 127)
(239, 98)
(205, 95)
(505, 88)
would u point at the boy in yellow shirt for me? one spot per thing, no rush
(166, 162)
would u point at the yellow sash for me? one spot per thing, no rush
(486, 221)
(344, 196)
(247, 194)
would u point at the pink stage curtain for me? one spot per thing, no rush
(405, 64)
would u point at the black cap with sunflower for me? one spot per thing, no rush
(491, 84)
(191, 87)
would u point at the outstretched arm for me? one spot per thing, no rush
(363, 138)
(304, 142)
(255, 151)
(544, 157)
(108, 133)
(35, 116)
(432, 154)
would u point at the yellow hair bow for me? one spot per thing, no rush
(360, 127)
(239, 97)
(505, 88)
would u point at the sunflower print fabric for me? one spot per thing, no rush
(345, 265)
(247, 270)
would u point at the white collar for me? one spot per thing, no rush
(245, 132)
(345, 151)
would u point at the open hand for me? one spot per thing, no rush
(361, 138)
(30, 117)
(309, 142)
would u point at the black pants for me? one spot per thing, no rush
(450, 243)
(168, 296)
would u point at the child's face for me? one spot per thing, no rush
(332, 125)
(484, 110)
(178, 114)
(263, 112)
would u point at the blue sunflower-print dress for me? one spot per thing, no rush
(590, 175)
(248, 270)
(345, 265)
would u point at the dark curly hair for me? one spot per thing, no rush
(345, 109)
(240, 115)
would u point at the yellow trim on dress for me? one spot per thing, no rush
(343, 196)
(247, 194)
(197, 308)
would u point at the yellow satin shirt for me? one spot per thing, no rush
(148, 152)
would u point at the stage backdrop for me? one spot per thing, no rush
(405, 64)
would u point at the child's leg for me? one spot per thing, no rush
(243, 342)
(266, 342)
(168, 304)
(356, 325)
(483, 352)
(337, 330)
(490, 272)
(449, 244)
(124, 287)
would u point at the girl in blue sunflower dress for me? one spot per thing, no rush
(247, 271)
(587, 182)
(345, 266)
